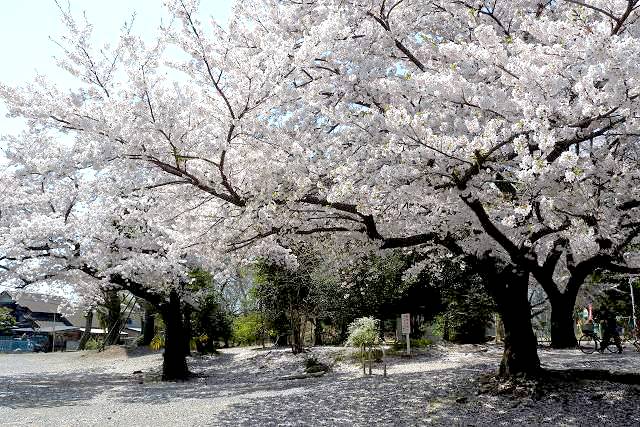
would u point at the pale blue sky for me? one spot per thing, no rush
(25, 27)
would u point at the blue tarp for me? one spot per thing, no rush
(10, 345)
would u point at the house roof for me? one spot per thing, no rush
(39, 303)
(47, 326)
(77, 319)
(5, 298)
(101, 331)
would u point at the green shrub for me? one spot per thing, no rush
(6, 319)
(248, 329)
(438, 326)
(364, 331)
(157, 343)
(92, 344)
(421, 342)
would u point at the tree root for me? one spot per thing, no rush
(534, 386)
(303, 376)
(595, 374)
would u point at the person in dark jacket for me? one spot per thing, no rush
(609, 330)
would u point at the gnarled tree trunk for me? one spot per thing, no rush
(88, 322)
(562, 322)
(509, 290)
(114, 307)
(174, 365)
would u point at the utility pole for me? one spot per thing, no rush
(53, 341)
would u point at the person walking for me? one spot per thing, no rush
(609, 330)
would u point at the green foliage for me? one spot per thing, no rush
(110, 310)
(248, 329)
(211, 322)
(157, 343)
(421, 343)
(364, 331)
(200, 280)
(92, 344)
(466, 306)
(401, 346)
(6, 319)
(438, 326)
(286, 298)
(374, 286)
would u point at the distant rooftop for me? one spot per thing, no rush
(41, 303)
(37, 303)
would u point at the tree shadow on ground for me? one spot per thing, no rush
(445, 397)
(56, 389)
(235, 390)
(213, 378)
(74, 388)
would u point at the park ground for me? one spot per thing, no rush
(250, 386)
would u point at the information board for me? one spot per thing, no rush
(406, 323)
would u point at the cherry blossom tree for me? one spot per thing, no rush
(507, 128)
(505, 132)
(86, 229)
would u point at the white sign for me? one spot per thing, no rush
(406, 323)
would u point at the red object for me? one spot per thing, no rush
(590, 311)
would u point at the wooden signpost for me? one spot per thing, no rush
(406, 330)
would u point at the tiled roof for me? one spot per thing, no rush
(38, 303)
(48, 326)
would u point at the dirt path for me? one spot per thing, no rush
(244, 387)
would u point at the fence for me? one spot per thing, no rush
(9, 345)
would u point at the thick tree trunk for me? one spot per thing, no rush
(520, 346)
(317, 332)
(562, 323)
(187, 330)
(509, 290)
(88, 322)
(174, 365)
(148, 327)
(296, 339)
(114, 306)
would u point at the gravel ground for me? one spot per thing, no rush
(245, 387)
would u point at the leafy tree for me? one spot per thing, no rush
(285, 299)
(210, 322)
(248, 329)
(467, 308)
(6, 319)
(448, 290)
